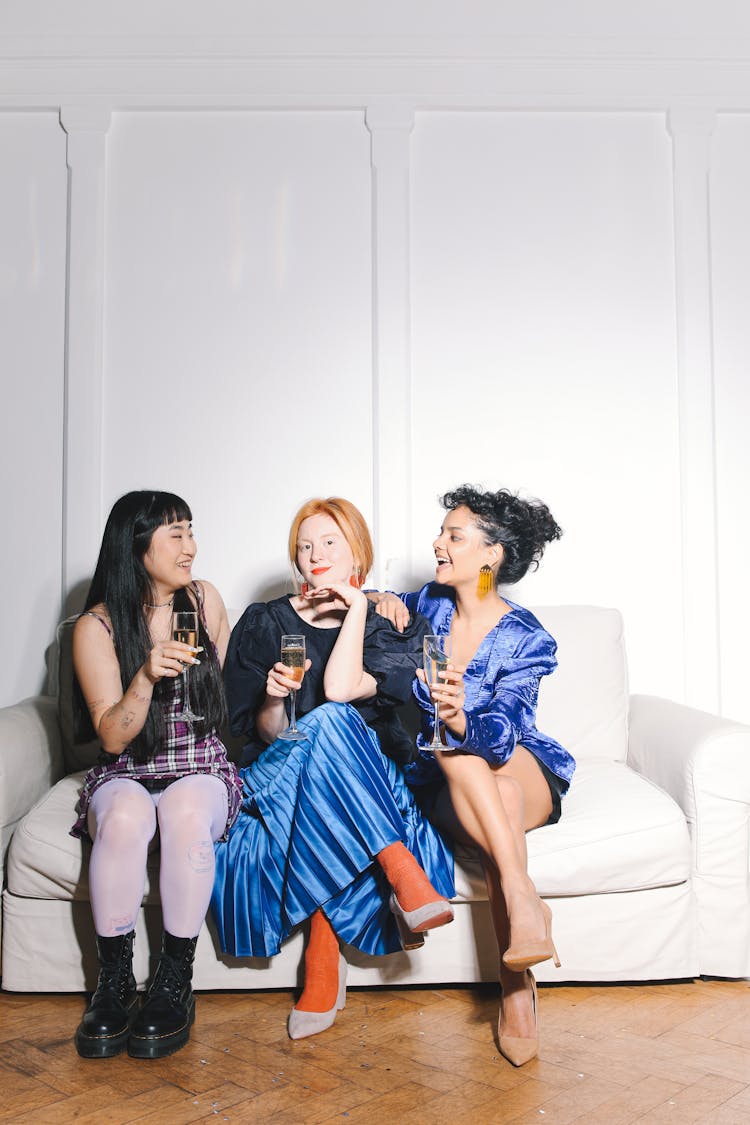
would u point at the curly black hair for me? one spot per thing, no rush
(522, 527)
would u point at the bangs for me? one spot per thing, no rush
(168, 508)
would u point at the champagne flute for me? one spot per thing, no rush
(436, 654)
(185, 630)
(293, 657)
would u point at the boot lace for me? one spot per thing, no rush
(168, 979)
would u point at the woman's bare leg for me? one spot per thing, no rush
(497, 821)
(475, 793)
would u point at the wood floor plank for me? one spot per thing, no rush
(609, 1055)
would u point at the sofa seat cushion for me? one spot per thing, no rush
(45, 861)
(618, 832)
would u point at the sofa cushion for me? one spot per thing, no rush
(618, 832)
(584, 703)
(44, 860)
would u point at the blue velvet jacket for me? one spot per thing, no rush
(502, 687)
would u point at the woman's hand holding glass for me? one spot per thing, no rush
(281, 679)
(286, 676)
(449, 696)
(169, 658)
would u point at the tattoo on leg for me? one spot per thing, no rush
(201, 856)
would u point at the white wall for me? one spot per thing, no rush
(32, 332)
(381, 263)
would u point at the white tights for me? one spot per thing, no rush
(123, 817)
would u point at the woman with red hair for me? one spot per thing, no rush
(329, 829)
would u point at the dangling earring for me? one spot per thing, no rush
(356, 580)
(304, 589)
(484, 582)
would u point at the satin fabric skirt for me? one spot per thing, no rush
(315, 814)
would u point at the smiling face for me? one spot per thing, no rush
(169, 558)
(461, 550)
(323, 554)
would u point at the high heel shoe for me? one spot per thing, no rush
(302, 1024)
(412, 923)
(533, 950)
(516, 1049)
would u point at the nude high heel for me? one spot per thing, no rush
(533, 950)
(303, 1024)
(514, 1048)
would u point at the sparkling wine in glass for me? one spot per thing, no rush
(185, 630)
(436, 654)
(293, 657)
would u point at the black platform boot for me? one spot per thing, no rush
(106, 1023)
(162, 1025)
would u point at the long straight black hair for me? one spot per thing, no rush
(122, 584)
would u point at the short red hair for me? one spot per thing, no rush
(351, 522)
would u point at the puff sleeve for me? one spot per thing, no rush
(391, 657)
(253, 649)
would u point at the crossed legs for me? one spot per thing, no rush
(493, 808)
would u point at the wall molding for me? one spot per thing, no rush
(390, 129)
(574, 70)
(86, 128)
(691, 133)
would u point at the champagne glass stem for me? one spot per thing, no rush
(293, 711)
(436, 729)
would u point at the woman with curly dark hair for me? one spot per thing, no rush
(497, 776)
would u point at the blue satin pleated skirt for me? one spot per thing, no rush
(315, 814)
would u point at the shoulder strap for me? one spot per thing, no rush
(90, 613)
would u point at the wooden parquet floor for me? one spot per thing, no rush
(609, 1055)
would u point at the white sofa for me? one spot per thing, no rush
(647, 873)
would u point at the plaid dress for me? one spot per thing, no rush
(181, 753)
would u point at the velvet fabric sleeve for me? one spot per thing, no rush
(504, 711)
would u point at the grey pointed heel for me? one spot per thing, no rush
(303, 1024)
(412, 923)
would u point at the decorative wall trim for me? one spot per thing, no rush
(691, 132)
(86, 129)
(390, 128)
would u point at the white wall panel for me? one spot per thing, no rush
(730, 228)
(32, 319)
(238, 325)
(544, 351)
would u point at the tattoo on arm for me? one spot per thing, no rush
(141, 698)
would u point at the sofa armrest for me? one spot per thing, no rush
(31, 758)
(703, 762)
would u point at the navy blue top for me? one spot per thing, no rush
(502, 688)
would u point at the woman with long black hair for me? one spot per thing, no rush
(157, 769)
